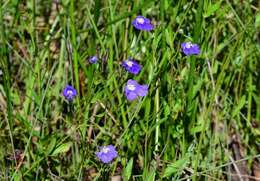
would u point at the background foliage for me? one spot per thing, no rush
(199, 120)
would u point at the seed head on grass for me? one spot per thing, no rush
(133, 90)
(142, 23)
(93, 59)
(190, 49)
(69, 92)
(131, 66)
(107, 153)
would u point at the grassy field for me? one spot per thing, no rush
(199, 121)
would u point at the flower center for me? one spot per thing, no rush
(105, 149)
(140, 20)
(129, 63)
(94, 58)
(70, 92)
(189, 45)
(131, 87)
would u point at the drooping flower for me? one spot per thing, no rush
(107, 153)
(93, 59)
(133, 90)
(190, 49)
(142, 23)
(131, 66)
(69, 92)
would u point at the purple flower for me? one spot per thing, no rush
(134, 90)
(190, 49)
(107, 153)
(131, 66)
(93, 59)
(142, 23)
(69, 92)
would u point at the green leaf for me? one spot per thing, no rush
(24, 121)
(240, 105)
(197, 87)
(150, 171)
(128, 170)
(166, 109)
(151, 175)
(212, 9)
(15, 98)
(17, 176)
(97, 9)
(51, 146)
(196, 129)
(62, 148)
(175, 167)
(169, 37)
(257, 20)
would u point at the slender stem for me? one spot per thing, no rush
(95, 29)
(125, 124)
(157, 107)
(126, 35)
(75, 52)
(250, 91)
(191, 80)
(34, 29)
(113, 29)
(189, 118)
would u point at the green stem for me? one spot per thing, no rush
(75, 52)
(113, 29)
(95, 29)
(157, 107)
(190, 82)
(250, 91)
(125, 122)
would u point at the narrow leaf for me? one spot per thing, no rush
(62, 148)
(175, 167)
(240, 105)
(212, 9)
(128, 170)
(51, 146)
